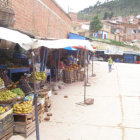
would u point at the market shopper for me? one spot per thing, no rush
(61, 69)
(110, 63)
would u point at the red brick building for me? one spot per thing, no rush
(43, 18)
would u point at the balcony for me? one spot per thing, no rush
(6, 14)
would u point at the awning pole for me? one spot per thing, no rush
(93, 75)
(87, 67)
(55, 53)
(35, 98)
(43, 57)
(85, 78)
(92, 63)
(46, 58)
(77, 55)
(58, 72)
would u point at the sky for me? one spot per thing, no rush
(76, 5)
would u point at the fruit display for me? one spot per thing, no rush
(1, 82)
(23, 108)
(39, 76)
(3, 109)
(7, 95)
(5, 78)
(73, 67)
(18, 91)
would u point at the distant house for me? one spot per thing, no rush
(120, 29)
(80, 27)
(110, 30)
(101, 34)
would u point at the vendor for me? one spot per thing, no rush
(70, 58)
(51, 65)
(61, 69)
(61, 65)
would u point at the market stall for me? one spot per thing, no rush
(22, 94)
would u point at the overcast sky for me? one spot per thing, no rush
(76, 5)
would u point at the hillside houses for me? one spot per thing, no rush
(121, 29)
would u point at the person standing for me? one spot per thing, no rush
(110, 62)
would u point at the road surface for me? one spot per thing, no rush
(115, 114)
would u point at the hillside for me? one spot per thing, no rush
(111, 9)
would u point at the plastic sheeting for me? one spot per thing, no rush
(15, 37)
(76, 36)
(70, 49)
(28, 43)
(62, 43)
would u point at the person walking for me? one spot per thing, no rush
(110, 63)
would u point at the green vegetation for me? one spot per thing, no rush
(111, 9)
(95, 25)
(114, 42)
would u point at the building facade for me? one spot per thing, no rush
(120, 29)
(44, 18)
(80, 27)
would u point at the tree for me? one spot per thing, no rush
(95, 25)
(106, 15)
(111, 15)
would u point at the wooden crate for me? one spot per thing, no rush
(23, 129)
(25, 123)
(81, 76)
(75, 75)
(25, 118)
(68, 76)
(7, 134)
(6, 121)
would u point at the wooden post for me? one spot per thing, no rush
(85, 78)
(92, 64)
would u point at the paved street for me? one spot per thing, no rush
(115, 114)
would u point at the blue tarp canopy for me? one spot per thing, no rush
(76, 36)
(70, 48)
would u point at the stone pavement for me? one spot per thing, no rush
(115, 114)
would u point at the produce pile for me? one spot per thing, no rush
(1, 82)
(3, 109)
(23, 108)
(73, 67)
(39, 76)
(7, 95)
(18, 91)
(23, 84)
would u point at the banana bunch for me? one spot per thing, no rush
(23, 108)
(1, 82)
(40, 76)
(7, 95)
